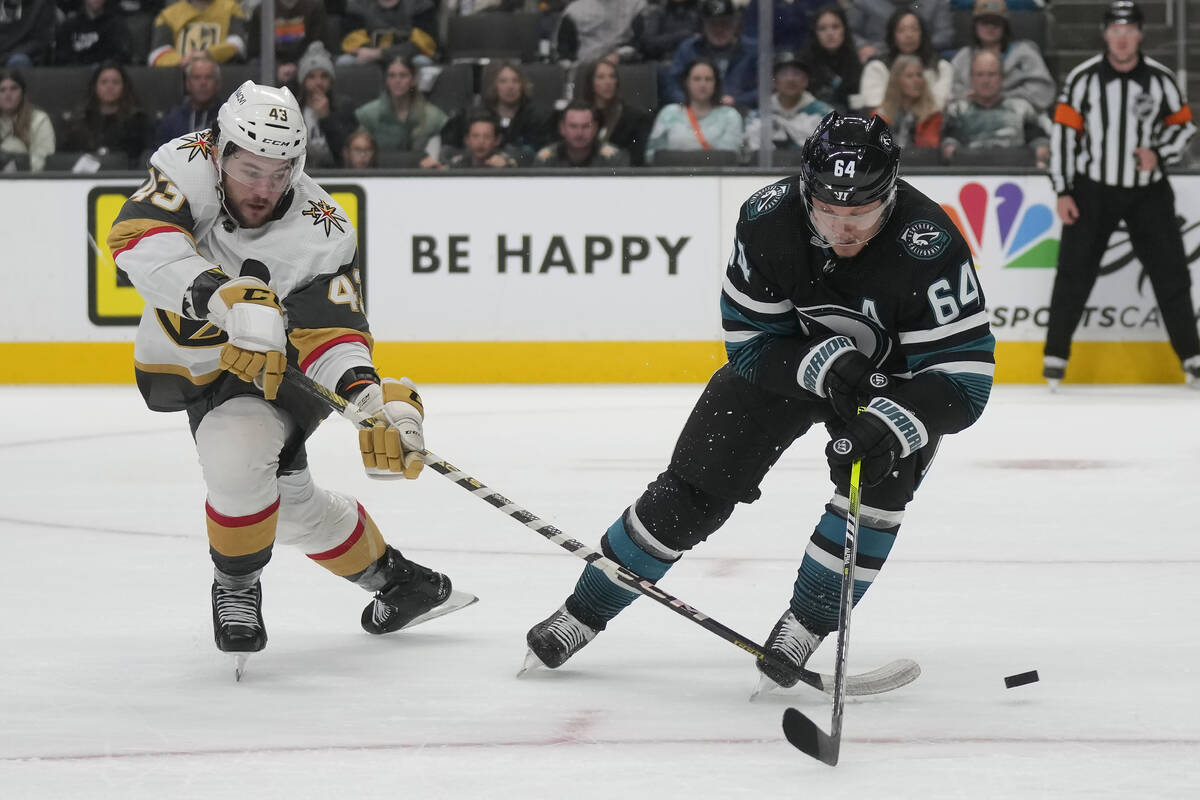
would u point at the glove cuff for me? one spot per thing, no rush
(239, 290)
(815, 365)
(903, 424)
(402, 391)
(196, 299)
(354, 381)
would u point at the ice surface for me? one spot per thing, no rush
(1058, 534)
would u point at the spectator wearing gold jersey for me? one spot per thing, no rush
(378, 31)
(190, 28)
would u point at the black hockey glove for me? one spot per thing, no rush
(869, 438)
(852, 380)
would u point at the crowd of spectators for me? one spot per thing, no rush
(889, 57)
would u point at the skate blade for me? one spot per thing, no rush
(239, 665)
(765, 687)
(1053, 384)
(532, 664)
(457, 600)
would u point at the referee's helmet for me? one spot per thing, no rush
(1123, 11)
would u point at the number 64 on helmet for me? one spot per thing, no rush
(848, 162)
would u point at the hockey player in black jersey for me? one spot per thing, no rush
(846, 288)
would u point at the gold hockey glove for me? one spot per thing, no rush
(249, 312)
(394, 449)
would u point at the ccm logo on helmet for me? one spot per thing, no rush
(275, 141)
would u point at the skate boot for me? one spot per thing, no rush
(412, 595)
(237, 619)
(1053, 370)
(791, 643)
(237, 623)
(556, 638)
(1191, 372)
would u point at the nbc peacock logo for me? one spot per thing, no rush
(1017, 233)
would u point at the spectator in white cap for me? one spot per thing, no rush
(1025, 73)
(329, 117)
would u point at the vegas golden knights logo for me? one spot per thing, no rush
(322, 212)
(198, 37)
(197, 144)
(187, 332)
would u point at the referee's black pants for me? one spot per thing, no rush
(1149, 213)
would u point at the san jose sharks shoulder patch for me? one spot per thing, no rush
(765, 200)
(924, 240)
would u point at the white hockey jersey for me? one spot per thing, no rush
(174, 228)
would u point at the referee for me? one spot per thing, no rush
(1119, 120)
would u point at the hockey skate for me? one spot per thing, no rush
(238, 624)
(555, 639)
(791, 643)
(1191, 372)
(413, 594)
(1053, 370)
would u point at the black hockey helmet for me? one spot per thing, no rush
(850, 161)
(1124, 11)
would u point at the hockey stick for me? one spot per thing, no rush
(799, 729)
(886, 678)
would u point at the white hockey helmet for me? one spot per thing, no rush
(263, 120)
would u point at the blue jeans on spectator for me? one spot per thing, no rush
(19, 61)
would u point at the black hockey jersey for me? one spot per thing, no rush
(910, 300)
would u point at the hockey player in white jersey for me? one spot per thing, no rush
(246, 264)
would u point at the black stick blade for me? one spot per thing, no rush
(805, 736)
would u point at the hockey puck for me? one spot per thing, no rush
(1020, 679)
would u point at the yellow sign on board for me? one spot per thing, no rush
(112, 300)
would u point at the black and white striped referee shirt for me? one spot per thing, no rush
(1103, 115)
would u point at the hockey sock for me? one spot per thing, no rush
(236, 581)
(596, 598)
(242, 544)
(817, 591)
(356, 558)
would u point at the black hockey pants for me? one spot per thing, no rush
(1149, 213)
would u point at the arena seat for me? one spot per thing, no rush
(140, 28)
(454, 88)
(639, 86)
(695, 158)
(159, 89)
(993, 157)
(399, 159)
(14, 162)
(64, 161)
(549, 83)
(497, 35)
(57, 89)
(920, 157)
(781, 158)
(359, 82)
